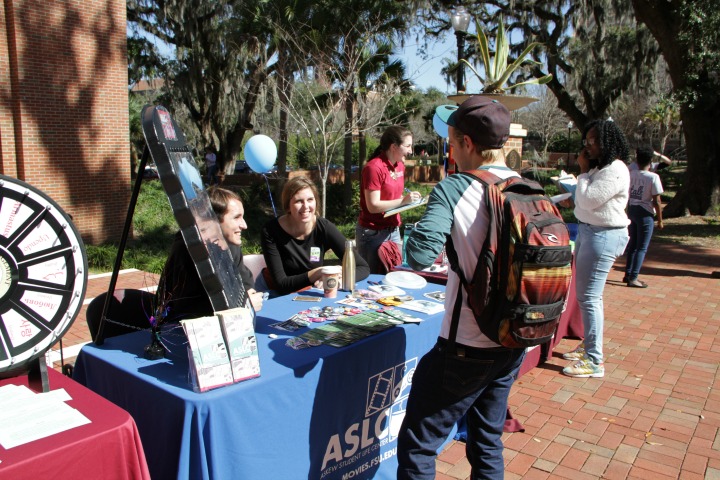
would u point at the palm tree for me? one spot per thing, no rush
(666, 116)
(376, 71)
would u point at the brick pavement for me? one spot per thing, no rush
(655, 414)
(79, 334)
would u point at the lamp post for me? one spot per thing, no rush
(570, 126)
(460, 19)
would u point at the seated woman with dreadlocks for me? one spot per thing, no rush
(600, 200)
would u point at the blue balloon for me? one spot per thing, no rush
(260, 153)
(441, 128)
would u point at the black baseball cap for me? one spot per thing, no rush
(484, 120)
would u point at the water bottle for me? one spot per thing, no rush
(348, 267)
(406, 233)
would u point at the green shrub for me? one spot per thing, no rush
(155, 225)
(153, 229)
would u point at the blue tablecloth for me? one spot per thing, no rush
(317, 413)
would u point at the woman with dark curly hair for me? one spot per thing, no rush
(600, 200)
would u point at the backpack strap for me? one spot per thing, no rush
(488, 179)
(512, 183)
(485, 177)
(454, 264)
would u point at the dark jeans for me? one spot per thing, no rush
(212, 175)
(640, 230)
(446, 387)
(368, 243)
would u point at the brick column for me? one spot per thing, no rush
(515, 142)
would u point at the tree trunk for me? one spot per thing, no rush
(134, 162)
(231, 140)
(700, 190)
(282, 142)
(347, 155)
(284, 86)
(362, 150)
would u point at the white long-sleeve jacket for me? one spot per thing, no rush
(602, 195)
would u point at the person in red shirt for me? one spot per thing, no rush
(382, 187)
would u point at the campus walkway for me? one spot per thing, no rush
(655, 414)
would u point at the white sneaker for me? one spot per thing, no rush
(577, 354)
(584, 368)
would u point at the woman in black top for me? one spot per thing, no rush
(295, 243)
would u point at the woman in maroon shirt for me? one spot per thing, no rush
(382, 187)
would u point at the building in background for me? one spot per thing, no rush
(64, 107)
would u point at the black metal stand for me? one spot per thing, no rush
(99, 338)
(38, 375)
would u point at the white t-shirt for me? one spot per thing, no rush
(643, 186)
(633, 167)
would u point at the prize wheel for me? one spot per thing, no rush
(43, 275)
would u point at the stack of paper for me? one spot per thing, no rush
(408, 206)
(209, 360)
(26, 416)
(565, 182)
(237, 328)
(424, 306)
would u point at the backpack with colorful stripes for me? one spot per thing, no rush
(522, 277)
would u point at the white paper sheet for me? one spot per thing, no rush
(26, 416)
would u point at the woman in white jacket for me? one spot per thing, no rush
(600, 200)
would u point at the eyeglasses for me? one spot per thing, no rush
(588, 143)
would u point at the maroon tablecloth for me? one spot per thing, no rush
(570, 326)
(432, 277)
(108, 447)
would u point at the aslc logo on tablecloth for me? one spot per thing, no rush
(358, 448)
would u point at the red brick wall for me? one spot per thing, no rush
(64, 107)
(513, 143)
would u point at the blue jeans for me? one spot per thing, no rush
(446, 387)
(641, 227)
(596, 249)
(368, 243)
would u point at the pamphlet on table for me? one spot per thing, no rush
(239, 334)
(222, 349)
(207, 353)
(424, 306)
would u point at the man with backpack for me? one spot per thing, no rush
(466, 372)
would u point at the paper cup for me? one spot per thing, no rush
(331, 280)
